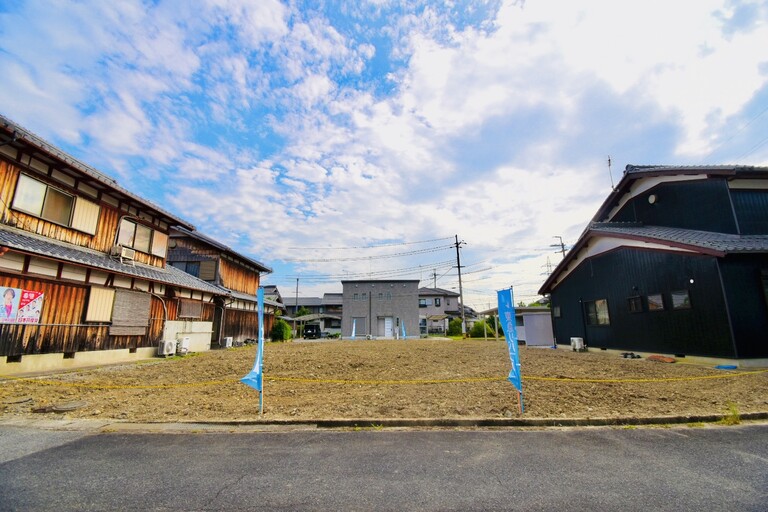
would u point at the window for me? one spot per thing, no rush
(556, 311)
(190, 308)
(635, 304)
(356, 296)
(381, 296)
(130, 314)
(389, 295)
(37, 198)
(597, 312)
(437, 301)
(100, 302)
(656, 302)
(422, 303)
(142, 238)
(681, 300)
(190, 267)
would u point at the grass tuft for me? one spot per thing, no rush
(732, 417)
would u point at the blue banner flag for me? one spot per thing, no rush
(254, 379)
(507, 319)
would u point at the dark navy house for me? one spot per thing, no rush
(675, 262)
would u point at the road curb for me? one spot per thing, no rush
(104, 426)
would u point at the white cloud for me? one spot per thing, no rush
(267, 123)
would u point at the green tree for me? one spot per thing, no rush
(481, 329)
(281, 331)
(303, 310)
(454, 327)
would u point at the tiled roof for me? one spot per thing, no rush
(633, 173)
(698, 169)
(721, 243)
(437, 291)
(23, 135)
(704, 242)
(37, 245)
(303, 301)
(218, 245)
(333, 299)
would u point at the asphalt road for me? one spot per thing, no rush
(697, 469)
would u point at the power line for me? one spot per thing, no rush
(378, 273)
(370, 246)
(381, 256)
(741, 129)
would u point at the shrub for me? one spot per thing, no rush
(478, 332)
(281, 331)
(454, 327)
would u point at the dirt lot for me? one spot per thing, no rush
(390, 379)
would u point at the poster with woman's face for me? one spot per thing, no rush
(20, 306)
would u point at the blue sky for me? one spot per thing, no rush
(335, 140)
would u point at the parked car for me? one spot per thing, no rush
(311, 331)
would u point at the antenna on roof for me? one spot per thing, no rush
(610, 173)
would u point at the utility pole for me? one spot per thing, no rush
(296, 308)
(461, 292)
(561, 245)
(434, 277)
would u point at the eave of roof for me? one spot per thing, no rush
(702, 242)
(437, 291)
(36, 245)
(218, 245)
(633, 173)
(22, 134)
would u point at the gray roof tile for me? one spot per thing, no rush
(32, 243)
(707, 240)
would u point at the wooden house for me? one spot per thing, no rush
(675, 262)
(237, 277)
(83, 265)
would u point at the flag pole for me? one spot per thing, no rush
(255, 379)
(506, 304)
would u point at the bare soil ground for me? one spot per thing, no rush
(390, 379)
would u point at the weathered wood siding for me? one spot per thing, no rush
(238, 278)
(62, 329)
(106, 230)
(241, 324)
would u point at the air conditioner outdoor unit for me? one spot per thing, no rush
(182, 347)
(166, 348)
(124, 253)
(228, 342)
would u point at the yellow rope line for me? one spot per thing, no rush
(380, 382)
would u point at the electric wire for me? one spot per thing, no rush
(370, 246)
(378, 257)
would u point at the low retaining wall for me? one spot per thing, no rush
(34, 363)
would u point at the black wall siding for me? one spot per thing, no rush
(742, 278)
(751, 208)
(701, 205)
(701, 330)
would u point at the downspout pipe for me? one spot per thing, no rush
(165, 311)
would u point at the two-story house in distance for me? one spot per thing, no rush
(83, 264)
(380, 308)
(436, 308)
(675, 261)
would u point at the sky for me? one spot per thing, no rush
(352, 140)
